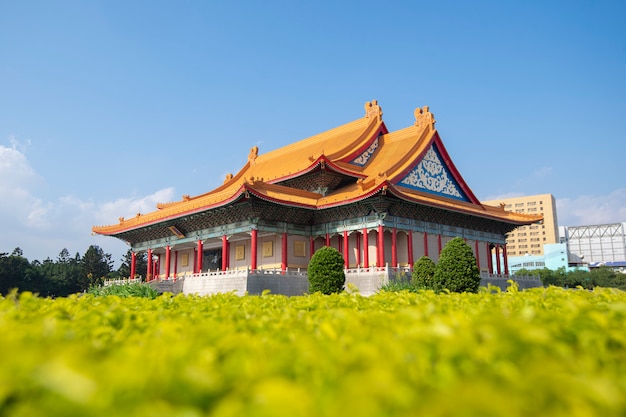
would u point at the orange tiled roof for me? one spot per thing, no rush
(389, 159)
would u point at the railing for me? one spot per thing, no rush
(121, 281)
(487, 275)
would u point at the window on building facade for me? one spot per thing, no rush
(519, 204)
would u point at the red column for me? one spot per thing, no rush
(283, 263)
(199, 257)
(346, 253)
(366, 250)
(253, 248)
(394, 247)
(168, 256)
(133, 265)
(477, 254)
(175, 263)
(224, 253)
(409, 244)
(380, 247)
(327, 239)
(498, 259)
(489, 259)
(340, 244)
(358, 248)
(311, 247)
(439, 244)
(506, 262)
(425, 243)
(157, 265)
(149, 271)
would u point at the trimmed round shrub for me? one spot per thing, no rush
(456, 269)
(423, 273)
(325, 271)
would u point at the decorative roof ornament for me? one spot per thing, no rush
(372, 109)
(423, 117)
(254, 153)
(229, 177)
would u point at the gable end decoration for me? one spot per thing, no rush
(431, 175)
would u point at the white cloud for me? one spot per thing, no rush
(592, 209)
(43, 228)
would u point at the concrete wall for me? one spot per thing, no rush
(277, 284)
(212, 284)
(367, 282)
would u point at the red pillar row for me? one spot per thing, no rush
(346, 253)
(283, 263)
(425, 243)
(149, 272)
(506, 262)
(253, 248)
(358, 248)
(394, 247)
(168, 256)
(498, 259)
(380, 247)
(439, 244)
(224, 253)
(366, 249)
(199, 257)
(133, 265)
(175, 263)
(409, 244)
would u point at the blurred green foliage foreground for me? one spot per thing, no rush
(541, 352)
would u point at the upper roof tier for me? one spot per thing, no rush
(346, 164)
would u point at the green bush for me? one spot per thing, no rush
(423, 273)
(125, 290)
(456, 269)
(325, 271)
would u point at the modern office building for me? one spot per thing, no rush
(599, 244)
(530, 239)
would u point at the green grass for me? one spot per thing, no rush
(540, 352)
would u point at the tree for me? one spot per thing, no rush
(423, 273)
(457, 270)
(95, 265)
(325, 271)
(16, 272)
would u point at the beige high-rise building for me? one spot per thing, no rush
(530, 239)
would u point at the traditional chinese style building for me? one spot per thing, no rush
(381, 198)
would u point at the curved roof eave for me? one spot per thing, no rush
(458, 206)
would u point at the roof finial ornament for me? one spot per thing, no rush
(423, 117)
(229, 177)
(372, 109)
(254, 152)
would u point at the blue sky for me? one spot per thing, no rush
(108, 107)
